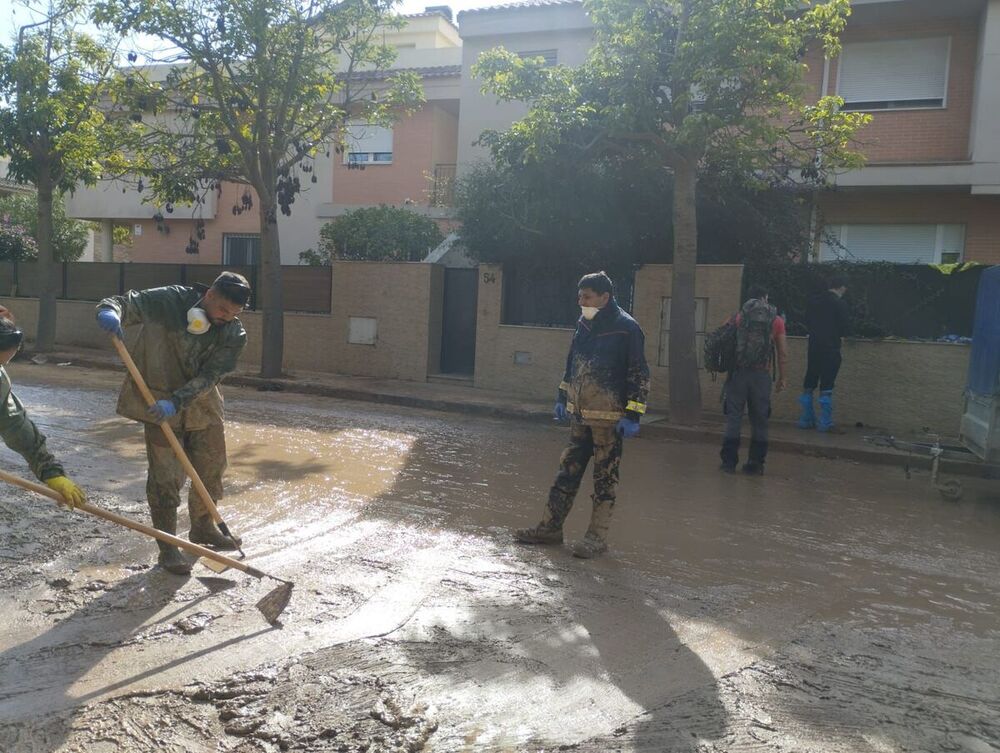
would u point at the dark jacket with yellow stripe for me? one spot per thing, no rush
(606, 373)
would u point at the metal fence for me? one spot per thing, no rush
(542, 296)
(304, 289)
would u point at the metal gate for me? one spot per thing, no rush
(458, 330)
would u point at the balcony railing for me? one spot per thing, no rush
(443, 188)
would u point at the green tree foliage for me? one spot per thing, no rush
(588, 215)
(69, 237)
(689, 86)
(380, 233)
(257, 88)
(53, 128)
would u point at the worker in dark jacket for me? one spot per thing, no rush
(19, 432)
(603, 394)
(189, 339)
(827, 319)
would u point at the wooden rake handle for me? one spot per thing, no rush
(175, 444)
(184, 544)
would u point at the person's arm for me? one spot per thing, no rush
(781, 346)
(637, 386)
(843, 315)
(21, 435)
(222, 361)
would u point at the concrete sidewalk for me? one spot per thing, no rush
(462, 398)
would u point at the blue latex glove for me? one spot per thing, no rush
(161, 410)
(560, 412)
(109, 321)
(627, 428)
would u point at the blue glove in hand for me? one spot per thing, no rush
(110, 322)
(161, 410)
(559, 412)
(627, 428)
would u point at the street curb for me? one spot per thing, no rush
(657, 430)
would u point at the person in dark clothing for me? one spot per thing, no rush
(827, 319)
(603, 393)
(760, 337)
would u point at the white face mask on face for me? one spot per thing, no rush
(589, 312)
(198, 323)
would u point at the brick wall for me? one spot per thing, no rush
(719, 284)
(979, 214)
(414, 142)
(405, 299)
(929, 135)
(872, 388)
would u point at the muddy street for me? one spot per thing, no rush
(827, 606)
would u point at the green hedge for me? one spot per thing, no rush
(914, 301)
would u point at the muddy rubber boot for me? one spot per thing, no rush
(204, 531)
(807, 418)
(170, 559)
(730, 454)
(546, 532)
(755, 461)
(595, 541)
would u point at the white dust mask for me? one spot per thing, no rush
(198, 323)
(589, 312)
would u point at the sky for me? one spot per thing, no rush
(14, 15)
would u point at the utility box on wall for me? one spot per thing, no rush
(362, 330)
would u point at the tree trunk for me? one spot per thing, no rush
(49, 277)
(273, 338)
(685, 386)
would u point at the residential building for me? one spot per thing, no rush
(411, 164)
(929, 74)
(927, 71)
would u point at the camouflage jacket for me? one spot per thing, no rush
(606, 376)
(176, 364)
(22, 436)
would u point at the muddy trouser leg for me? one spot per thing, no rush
(163, 485)
(206, 449)
(572, 466)
(759, 409)
(165, 476)
(607, 457)
(734, 405)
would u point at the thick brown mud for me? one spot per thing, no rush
(827, 606)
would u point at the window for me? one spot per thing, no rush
(895, 74)
(700, 324)
(902, 244)
(368, 144)
(549, 56)
(241, 250)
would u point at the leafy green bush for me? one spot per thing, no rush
(380, 233)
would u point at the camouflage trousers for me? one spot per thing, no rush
(206, 450)
(605, 446)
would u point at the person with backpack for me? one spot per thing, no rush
(603, 394)
(760, 333)
(827, 319)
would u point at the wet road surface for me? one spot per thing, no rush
(828, 606)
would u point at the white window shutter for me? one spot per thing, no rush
(897, 70)
(367, 139)
(901, 244)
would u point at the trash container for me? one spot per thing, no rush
(981, 419)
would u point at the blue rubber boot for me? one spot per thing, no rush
(825, 411)
(807, 418)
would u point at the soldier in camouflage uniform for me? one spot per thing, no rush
(18, 431)
(189, 339)
(603, 393)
